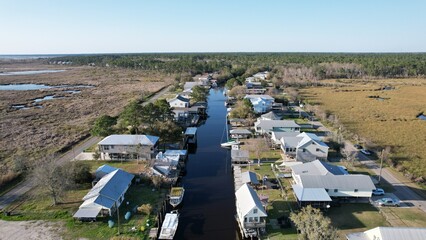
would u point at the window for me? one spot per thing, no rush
(317, 149)
(106, 147)
(255, 210)
(336, 190)
(356, 190)
(245, 219)
(250, 219)
(326, 190)
(256, 219)
(112, 146)
(304, 150)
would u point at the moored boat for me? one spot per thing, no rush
(169, 226)
(176, 196)
(229, 143)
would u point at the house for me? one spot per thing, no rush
(261, 103)
(304, 147)
(183, 154)
(268, 126)
(118, 147)
(277, 135)
(261, 75)
(240, 133)
(179, 102)
(104, 198)
(270, 116)
(239, 156)
(389, 233)
(316, 167)
(251, 214)
(189, 85)
(249, 178)
(104, 170)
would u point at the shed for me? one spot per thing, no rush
(249, 177)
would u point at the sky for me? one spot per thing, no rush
(137, 26)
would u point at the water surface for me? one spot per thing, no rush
(32, 72)
(209, 204)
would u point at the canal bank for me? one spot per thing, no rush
(208, 208)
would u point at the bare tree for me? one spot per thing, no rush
(313, 225)
(257, 146)
(51, 178)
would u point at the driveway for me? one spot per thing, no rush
(401, 191)
(28, 184)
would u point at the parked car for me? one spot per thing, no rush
(357, 146)
(378, 192)
(365, 151)
(388, 202)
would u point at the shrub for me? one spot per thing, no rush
(145, 209)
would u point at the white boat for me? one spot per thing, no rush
(229, 143)
(170, 224)
(176, 196)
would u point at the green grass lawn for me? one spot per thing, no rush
(410, 217)
(37, 206)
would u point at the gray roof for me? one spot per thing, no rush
(311, 194)
(270, 124)
(280, 134)
(271, 116)
(254, 96)
(361, 182)
(126, 139)
(316, 167)
(104, 170)
(179, 97)
(249, 177)
(189, 85)
(87, 213)
(239, 131)
(389, 233)
(109, 188)
(302, 139)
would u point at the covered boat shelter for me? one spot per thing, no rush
(316, 197)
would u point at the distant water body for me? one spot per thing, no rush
(18, 57)
(32, 72)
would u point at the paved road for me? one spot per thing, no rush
(402, 191)
(28, 184)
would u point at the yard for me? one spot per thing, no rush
(36, 206)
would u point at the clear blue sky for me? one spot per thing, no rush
(104, 26)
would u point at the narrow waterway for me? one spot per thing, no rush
(209, 204)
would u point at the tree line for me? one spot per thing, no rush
(303, 65)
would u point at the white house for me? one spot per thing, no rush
(304, 147)
(315, 179)
(261, 103)
(389, 233)
(268, 126)
(117, 147)
(277, 135)
(261, 75)
(104, 198)
(250, 212)
(179, 102)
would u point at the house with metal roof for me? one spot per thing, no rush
(250, 178)
(270, 116)
(251, 215)
(104, 170)
(315, 179)
(240, 133)
(179, 102)
(389, 233)
(304, 147)
(268, 126)
(277, 135)
(261, 103)
(239, 156)
(128, 147)
(104, 198)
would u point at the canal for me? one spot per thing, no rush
(208, 207)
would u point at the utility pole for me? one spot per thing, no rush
(118, 217)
